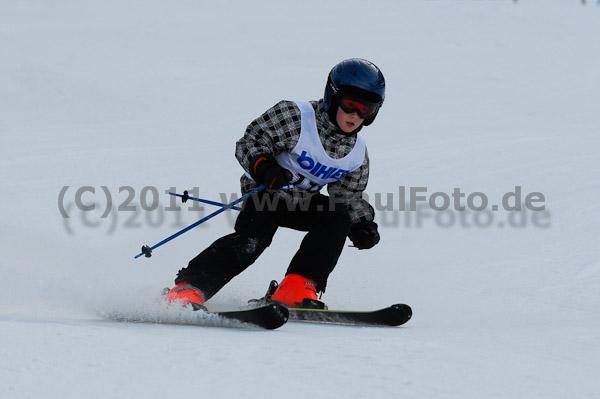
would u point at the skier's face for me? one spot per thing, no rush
(348, 122)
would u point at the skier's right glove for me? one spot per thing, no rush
(364, 235)
(264, 169)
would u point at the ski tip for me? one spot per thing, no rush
(270, 316)
(402, 313)
(281, 315)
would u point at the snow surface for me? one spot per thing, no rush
(482, 95)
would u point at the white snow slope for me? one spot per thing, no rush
(146, 95)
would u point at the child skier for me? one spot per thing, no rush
(295, 149)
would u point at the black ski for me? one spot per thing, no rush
(394, 315)
(314, 311)
(269, 317)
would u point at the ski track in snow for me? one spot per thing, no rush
(484, 96)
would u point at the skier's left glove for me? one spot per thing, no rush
(364, 235)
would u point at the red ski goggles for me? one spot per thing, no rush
(364, 109)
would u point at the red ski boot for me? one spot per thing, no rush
(296, 291)
(185, 294)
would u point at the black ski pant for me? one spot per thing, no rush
(325, 222)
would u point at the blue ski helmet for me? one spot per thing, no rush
(356, 77)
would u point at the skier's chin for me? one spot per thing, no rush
(348, 128)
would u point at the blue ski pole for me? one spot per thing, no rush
(146, 250)
(186, 197)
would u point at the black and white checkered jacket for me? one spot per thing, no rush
(278, 130)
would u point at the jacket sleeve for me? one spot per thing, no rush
(275, 131)
(349, 190)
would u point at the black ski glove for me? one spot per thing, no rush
(364, 235)
(264, 169)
